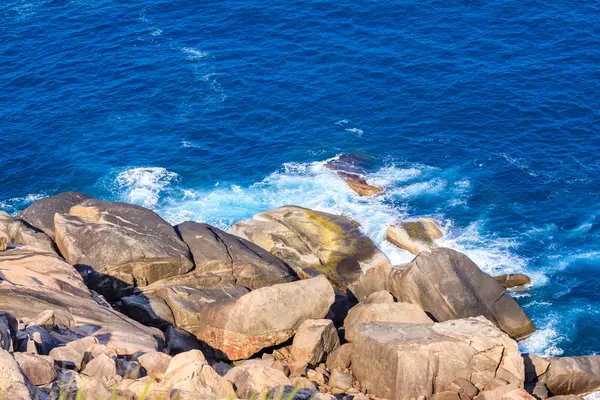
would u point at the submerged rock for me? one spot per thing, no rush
(513, 280)
(448, 285)
(40, 214)
(123, 244)
(218, 252)
(403, 361)
(313, 242)
(351, 168)
(414, 236)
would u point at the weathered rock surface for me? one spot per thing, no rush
(190, 372)
(313, 242)
(402, 361)
(414, 236)
(253, 379)
(18, 232)
(13, 383)
(383, 312)
(341, 358)
(218, 252)
(102, 368)
(262, 318)
(73, 386)
(40, 214)
(513, 280)
(565, 375)
(120, 246)
(314, 340)
(155, 363)
(34, 282)
(351, 168)
(67, 357)
(38, 369)
(3, 241)
(508, 392)
(180, 341)
(448, 285)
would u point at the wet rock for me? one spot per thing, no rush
(40, 214)
(220, 253)
(314, 340)
(313, 242)
(402, 361)
(38, 369)
(122, 245)
(383, 312)
(448, 285)
(513, 280)
(351, 168)
(255, 378)
(414, 236)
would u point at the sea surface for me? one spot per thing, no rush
(482, 114)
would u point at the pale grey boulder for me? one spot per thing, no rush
(447, 285)
(40, 214)
(404, 361)
(120, 246)
(313, 242)
(221, 253)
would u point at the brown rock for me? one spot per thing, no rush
(120, 246)
(38, 369)
(571, 375)
(73, 386)
(220, 253)
(18, 232)
(351, 168)
(13, 383)
(253, 379)
(383, 312)
(513, 280)
(340, 358)
(102, 368)
(508, 392)
(341, 380)
(448, 285)
(359, 184)
(414, 236)
(382, 296)
(3, 241)
(37, 282)
(313, 242)
(402, 361)
(40, 214)
(155, 362)
(314, 340)
(67, 357)
(262, 318)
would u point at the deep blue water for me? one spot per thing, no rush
(483, 114)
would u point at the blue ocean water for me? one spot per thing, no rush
(483, 114)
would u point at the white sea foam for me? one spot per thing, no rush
(16, 203)
(359, 132)
(143, 186)
(194, 54)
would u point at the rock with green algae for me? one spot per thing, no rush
(314, 242)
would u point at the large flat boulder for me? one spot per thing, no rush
(448, 285)
(313, 242)
(382, 312)
(35, 283)
(240, 327)
(40, 214)
(120, 246)
(404, 361)
(565, 375)
(218, 252)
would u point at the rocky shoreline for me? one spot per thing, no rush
(106, 300)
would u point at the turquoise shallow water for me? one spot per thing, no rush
(484, 115)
